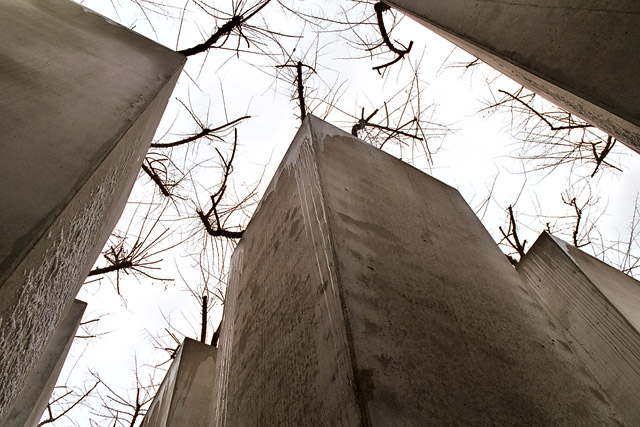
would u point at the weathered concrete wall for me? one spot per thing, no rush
(82, 98)
(579, 54)
(365, 292)
(598, 308)
(283, 354)
(34, 396)
(184, 397)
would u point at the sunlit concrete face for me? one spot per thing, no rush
(365, 292)
(598, 309)
(184, 397)
(81, 99)
(578, 54)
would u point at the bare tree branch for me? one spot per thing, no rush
(217, 229)
(234, 23)
(512, 238)
(204, 132)
(576, 230)
(203, 331)
(299, 85)
(611, 141)
(541, 116)
(156, 179)
(52, 418)
(401, 52)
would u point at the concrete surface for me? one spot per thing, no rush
(365, 292)
(34, 396)
(597, 308)
(578, 54)
(81, 100)
(184, 397)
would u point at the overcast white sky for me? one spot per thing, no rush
(480, 148)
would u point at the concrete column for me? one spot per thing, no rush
(81, 100)
(578, 54)
(597, 307)
(34, 396)
(184, 397)
(365, 292)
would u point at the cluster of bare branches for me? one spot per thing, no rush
(203, 217)
(624, 252)
(378, 45)
(209, 289)
(554, 141)
(550, 135)
(213, 219)
(576, 223)
(159, 168)
(234, 23)
(64, 399)
(578, 226)
(405, 120)
(169, 343)
(137, 258)
(126, 408)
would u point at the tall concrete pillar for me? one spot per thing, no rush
(81, 100)
(184, 397)
(578, 54)
(364, 292)
(598, 309)
(34, 396)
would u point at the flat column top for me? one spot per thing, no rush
(622, 291)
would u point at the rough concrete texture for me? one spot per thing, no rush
(82, 98)
(597, 307)
(34, 396)
(184, 397)
(579, 54)
(365, 292)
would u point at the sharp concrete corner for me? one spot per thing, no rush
(597, 308)
(82, 97)
(366, 293)
(184, 397)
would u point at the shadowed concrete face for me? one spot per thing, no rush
(82, 98)
(598, 309)
(34, 397)
(365, 292)
(184, 397)
(578, 54)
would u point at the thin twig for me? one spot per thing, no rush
(202, 133)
